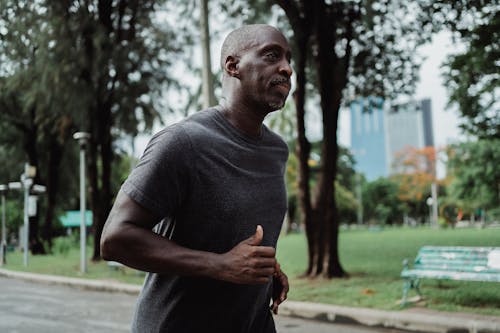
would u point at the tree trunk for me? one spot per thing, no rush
(303, 147)
(105, 197)
(207, 84)
(319, 217)
(30, 139)
(54, 163)
(326, 260)
(94, 193)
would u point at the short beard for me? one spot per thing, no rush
(274, 106)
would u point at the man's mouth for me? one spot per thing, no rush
(281, 81)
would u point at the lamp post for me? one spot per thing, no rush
(434, 204)
(27, 181)
(3, 245)
(359, 194)
(82, 138)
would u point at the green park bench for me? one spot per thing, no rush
(118, 266)
(451, 263)
(115, 265)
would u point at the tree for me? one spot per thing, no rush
(357, 48)
(25, 113)
(120, 60)
(472, 76)
(473, 167)
(100, 67)
(381, 203)
(415, 172)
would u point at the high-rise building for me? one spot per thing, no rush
(380, 131)
(368, 143)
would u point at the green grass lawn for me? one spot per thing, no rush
(372, 259)
(374, 263)
(68, 264)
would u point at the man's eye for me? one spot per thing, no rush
(272, 55)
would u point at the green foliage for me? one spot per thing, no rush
(473, 75)
(13, 213)
(99, 67)
(122, 165)
(346, 202)
(381, 203)
(62, 246)
(475, 174)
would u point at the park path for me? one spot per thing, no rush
(27, 307)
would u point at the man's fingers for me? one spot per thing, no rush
(283, 295)
(264, 251)
(274, 307)
(265, 262)
(256, 239)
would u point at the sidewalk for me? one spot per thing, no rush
(418, 320)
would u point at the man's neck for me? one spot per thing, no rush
(243, 117)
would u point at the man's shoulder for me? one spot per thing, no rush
(200, 126)
(182, 130)
(275, 139)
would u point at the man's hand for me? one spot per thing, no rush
(280, 288)
(248, 262)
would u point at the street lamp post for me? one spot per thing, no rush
(434, 204)
(82, 138)
(359, 194)
(27, 181)
(3, 245)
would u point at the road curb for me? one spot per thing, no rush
(411, 320)
(97, 285)
(426, 321)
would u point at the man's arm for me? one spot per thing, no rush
(127, 237)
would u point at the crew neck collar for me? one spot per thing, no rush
(219, 111)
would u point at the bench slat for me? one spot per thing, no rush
(450, 275)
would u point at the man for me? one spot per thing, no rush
(212, 187)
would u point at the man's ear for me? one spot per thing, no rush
(232, 66)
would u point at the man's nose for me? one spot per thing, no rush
(285, 68)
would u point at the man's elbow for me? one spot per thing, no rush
(108, 244)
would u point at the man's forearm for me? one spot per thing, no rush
(140, 248)
(144, 250)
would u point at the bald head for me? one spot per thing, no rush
(241, 39)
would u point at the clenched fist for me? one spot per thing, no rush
(249, 262)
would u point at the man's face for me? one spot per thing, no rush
(264, 70)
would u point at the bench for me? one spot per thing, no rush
(118, 266)
(451, 263)
(115, 265)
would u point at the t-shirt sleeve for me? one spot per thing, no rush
(160, 181)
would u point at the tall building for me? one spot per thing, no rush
(368, 143)
(380, 131)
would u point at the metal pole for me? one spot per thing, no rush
(3, 259)
(434, 204)
(26, 183)
(83, 226)
(360, 198)
(82, 138)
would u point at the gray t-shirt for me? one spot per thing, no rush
(212, 185)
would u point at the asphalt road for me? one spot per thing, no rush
(27, 307)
